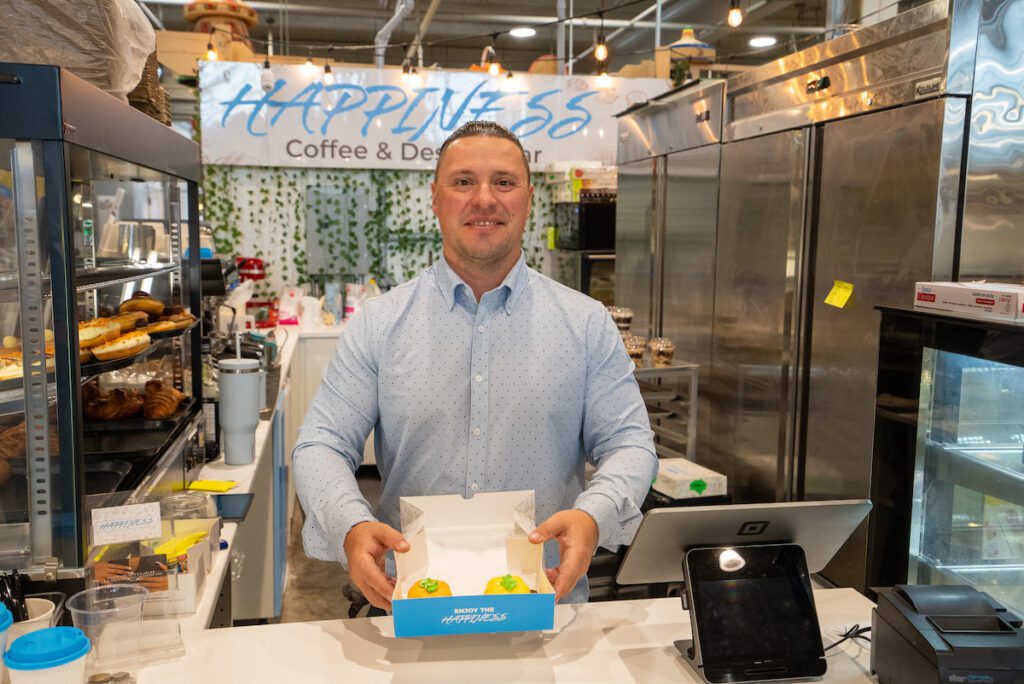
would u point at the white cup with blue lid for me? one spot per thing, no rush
(55, 655)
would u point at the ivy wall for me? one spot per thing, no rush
(375, 220)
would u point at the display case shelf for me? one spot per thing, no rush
(106, 276)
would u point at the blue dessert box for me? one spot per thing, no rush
(466, 543)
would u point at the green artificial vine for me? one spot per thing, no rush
(264, 212)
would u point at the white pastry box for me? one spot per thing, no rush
(466, 543)
(682, 479)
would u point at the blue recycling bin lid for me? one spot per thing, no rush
(47, 648)
(6, 620)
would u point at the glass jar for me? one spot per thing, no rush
(187, 506)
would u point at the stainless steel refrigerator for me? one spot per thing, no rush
(883, 157)
(668, 158)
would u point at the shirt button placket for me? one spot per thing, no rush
(478, 406)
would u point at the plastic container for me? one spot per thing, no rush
(55, 655)
(111, 616)
(187, 506)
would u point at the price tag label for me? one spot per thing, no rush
(551, 237)
(840, 294)
(126, 523)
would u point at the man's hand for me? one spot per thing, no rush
(365, 546)
(576, 533)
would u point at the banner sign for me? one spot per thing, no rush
(378, 118)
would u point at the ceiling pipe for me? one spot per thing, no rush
(417, 42)
(402, 10)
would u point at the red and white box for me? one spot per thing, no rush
(1003, 301)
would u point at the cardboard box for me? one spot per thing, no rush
(185, 588)
(466, 542)
(683, 479)
(1001, 301)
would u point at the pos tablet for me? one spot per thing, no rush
(754, 614)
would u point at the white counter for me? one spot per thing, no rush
(618, 641)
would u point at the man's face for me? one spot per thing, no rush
(481, 198)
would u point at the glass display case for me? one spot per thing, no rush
(949, 453)
(100, 382)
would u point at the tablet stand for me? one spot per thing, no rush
(752, 635)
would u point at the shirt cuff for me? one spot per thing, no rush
(341, 522)
(616, 525)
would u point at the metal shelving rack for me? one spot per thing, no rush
(670, 393)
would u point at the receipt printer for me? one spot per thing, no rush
(947, 634)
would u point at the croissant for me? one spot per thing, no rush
(12, 442)
(161, 400)
(119, 403)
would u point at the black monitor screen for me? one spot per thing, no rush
(764, 612)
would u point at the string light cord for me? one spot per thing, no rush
(444, 41)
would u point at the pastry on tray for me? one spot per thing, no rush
(113, 405)
(141, 301)
(161, 400)
(159, 326)
(123, 347)
(181, 319)
(507, 584)
(130, 320)
(429, 588)
(97, 331)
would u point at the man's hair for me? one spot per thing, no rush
(486, 129)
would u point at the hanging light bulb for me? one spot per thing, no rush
(328, 78)
(308, 67)
(490, 58)
(406, 73)
(267, 74)
(601, 48)
(211, 54)
(735, 17)
(267, 77)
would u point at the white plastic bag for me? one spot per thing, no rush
(104, 42)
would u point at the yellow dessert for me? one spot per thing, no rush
(429, 588)
(507, 584)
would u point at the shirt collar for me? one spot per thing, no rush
(448, 281)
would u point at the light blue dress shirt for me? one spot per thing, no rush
(515, 392)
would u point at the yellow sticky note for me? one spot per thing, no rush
(551, 237)
(840, 294)
(212, 485)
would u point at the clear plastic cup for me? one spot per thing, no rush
(55, 655)
(110, 616)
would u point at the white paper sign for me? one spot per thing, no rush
(371, 118)
(126, 523)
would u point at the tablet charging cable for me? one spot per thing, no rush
(856, 632)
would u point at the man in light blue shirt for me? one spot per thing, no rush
(479, 375)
